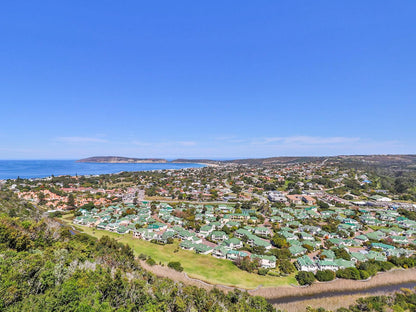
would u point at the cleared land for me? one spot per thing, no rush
(204, 267)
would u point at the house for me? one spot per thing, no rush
(343, 264)
(306, 236)
(233, 243)
(218, 236)
(382, 246)
(327, 265)
(327, 254)
(187, 245)
(235, 254)
(402, 240)
(255, 241)
(380, 198)
(206, 230)
(203, 249)
(305, 263)
(220, 252)
(295, 199)
(263, 231)
(266, 262)
(297, 250)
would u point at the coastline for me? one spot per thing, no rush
(40, 169)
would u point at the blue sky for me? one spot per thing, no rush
(215, 79)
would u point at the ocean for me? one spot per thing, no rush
(11, 169)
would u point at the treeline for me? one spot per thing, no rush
(47, 267)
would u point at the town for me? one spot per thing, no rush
(273, 220)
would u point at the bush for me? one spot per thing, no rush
(364, 274)
(142, 257)
(325, 275)
(262, 271)
(176, 265)
(305, 278)
(55, 214)
(150, 261)
(286, 267)
(349, 273)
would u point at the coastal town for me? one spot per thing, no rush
(270, 220)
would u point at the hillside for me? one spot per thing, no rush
(46, 266)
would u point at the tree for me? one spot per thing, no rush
(279, 241)
(342, 253)
(322, 204)
(287, 267)
(71, 200)
(305, 278)
(235, 189)
(41, 197)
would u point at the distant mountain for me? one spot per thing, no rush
(121, 160)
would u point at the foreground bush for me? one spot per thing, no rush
(176, 265)
(305, 278)
(325, 275)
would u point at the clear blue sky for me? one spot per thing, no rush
(217, 79)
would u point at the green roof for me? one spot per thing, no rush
(305, 261)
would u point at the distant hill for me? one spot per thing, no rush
(275, 160)
(401, 161)
(196, 161)
(121, 160)
(389, 162)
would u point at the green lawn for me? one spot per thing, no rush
(204, 267)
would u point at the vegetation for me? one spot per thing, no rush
(176, 265)
(404, 300)
(305, 278)
(43, 267)
(203, 267)
(325, 275)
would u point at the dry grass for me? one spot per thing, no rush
(330, 303)
(388, 278)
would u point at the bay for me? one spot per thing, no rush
(11, 169)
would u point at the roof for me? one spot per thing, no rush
(305, 261)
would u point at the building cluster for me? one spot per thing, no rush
(228, 233)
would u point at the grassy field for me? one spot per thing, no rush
(203, 267)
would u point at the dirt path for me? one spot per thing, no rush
(164, 271)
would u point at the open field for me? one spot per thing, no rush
(203, 267)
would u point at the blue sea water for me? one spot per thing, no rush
(11, 169)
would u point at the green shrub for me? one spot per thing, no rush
(262, 271)
(286, 267)
(305, 278)
(349, 273)
(325, 275)
(150, 261)
(142, 257)
(364, 274)
(176, 265)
